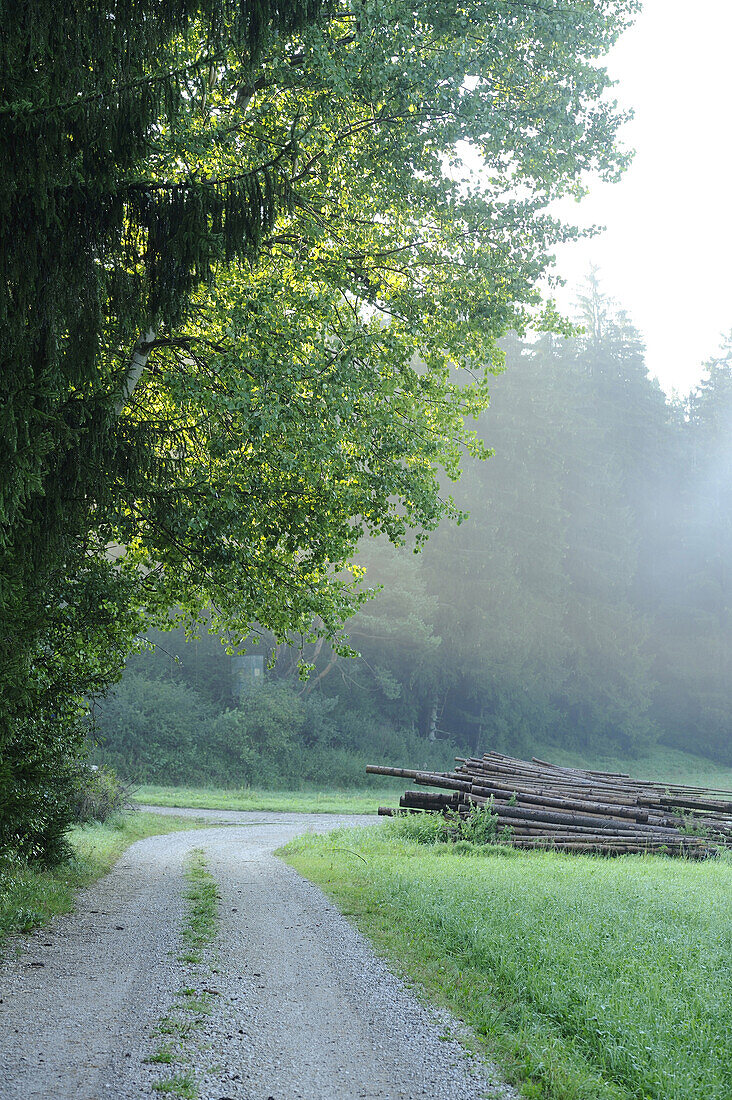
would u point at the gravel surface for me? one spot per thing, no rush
(300, 1007)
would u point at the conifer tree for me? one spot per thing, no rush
(94, 258)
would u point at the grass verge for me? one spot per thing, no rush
(585, 978)
(30, 896)
(303, 802)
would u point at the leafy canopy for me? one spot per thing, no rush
(316, 393)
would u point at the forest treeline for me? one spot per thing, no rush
(584, 603)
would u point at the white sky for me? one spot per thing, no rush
(666, 254)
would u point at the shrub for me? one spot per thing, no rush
(479, 827)
(154, 731)
(98, 794)
(40, 761)
(163, 731)
(258, 743)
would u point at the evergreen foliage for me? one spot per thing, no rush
(92, 256)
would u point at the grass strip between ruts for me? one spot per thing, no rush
(585, 978)
(30, 896)
(178, 1028)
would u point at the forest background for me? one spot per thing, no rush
(584, 604)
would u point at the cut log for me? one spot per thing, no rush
(536, 803)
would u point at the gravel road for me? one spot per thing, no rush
(300, 1005)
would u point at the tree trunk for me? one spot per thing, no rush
(138, 362)
(432, 727)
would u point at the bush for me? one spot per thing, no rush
(98, 794)
(478, 828)
(165, 732)
(258, 743)
(39, 765)
(154, 731)
(157, 731)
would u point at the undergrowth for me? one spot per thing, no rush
(479, 827)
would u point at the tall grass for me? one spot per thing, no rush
(589, 978)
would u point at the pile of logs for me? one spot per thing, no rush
(538, 805)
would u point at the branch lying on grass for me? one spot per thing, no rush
(351, 852)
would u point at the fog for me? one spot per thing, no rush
(584, 605)
(586, 602)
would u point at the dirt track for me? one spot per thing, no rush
(301, 1008)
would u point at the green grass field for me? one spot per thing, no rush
(586, 978)
(662, 764)
(303, 802)
(30, 896)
